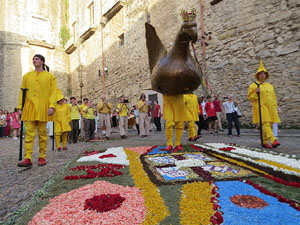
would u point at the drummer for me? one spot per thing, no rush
(131, 119)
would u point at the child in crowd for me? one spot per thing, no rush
(16, 124)
(62, 118)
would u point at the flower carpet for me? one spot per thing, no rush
(210, 183)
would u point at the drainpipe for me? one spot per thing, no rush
(202, 34)
(103, 71)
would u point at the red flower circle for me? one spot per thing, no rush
(104, 202)
(68, 208)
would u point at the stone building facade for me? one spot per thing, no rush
(107, 50)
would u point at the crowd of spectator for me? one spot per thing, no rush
(90, 123)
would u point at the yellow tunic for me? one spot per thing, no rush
(192, 107)
(140, 104)
(40, 96)
(268, 103)
(62, 118)
(104, 108)
(124, 110)
(174, 108)
(89, 114)
(74, 112)
(82, 108)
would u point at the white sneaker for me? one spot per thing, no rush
(15, 138)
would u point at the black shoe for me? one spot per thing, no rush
(123, 136)
(107, 138)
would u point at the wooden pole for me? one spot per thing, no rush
(103, 70)
(202, 36)
(21, 134)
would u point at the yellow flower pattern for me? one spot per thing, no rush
(156, 208)
(195, 204)
(278, 165)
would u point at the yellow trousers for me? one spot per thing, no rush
(268, 133)
(64, 138)
(191, 129)
(178, 132)
(30, 133)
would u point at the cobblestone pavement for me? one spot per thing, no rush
(18, 184)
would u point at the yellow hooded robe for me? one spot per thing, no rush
(268, 100)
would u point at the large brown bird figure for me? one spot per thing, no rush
(174, 72)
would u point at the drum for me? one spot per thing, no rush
(131, 121)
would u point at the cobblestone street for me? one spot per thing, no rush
(18, 184)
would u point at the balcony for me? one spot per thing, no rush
(40, 44)
(70, 46)
(112, 8)
(86, 31)
(214, 2)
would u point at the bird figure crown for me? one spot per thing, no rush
(188, 16)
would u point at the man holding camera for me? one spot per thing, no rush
(144, 122)
(104, 108)
(75, 117)
(123, 117)
(89, 121)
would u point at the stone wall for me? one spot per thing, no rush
(27, 28)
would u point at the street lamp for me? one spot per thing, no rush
(80, 70)
(81, 86)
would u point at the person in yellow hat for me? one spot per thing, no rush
(39, 107)
(62, 118)
(192, 113)
(174, 113)
(268, 106)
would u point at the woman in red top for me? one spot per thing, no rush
(157, 115)
(211, 114)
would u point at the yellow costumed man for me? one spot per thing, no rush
(192, 113)
(62, 118)
(175, 115)
(39, 107)
(268, 105)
